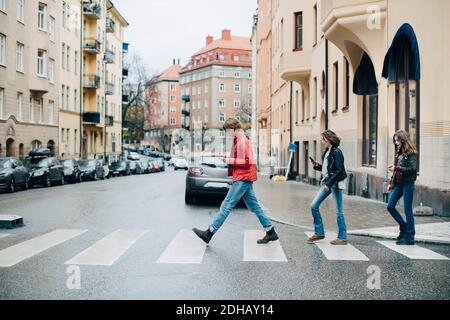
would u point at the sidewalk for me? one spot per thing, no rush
(289, 202)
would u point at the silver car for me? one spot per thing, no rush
(208, 177)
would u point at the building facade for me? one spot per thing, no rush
(29, 76)
(163, 111)
(216, 85)
(345, 63)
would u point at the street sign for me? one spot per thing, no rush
(292, 147)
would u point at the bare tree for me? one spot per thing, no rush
(245, 112)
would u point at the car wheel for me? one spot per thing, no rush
(12, 186)
(95, 176)
(48, 182)
(188, 198)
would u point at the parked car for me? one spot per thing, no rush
(133, 156)
(161, 163)
(146, 168)
(135, 167)
(72, 171)
(155, 167)
(13, 174)
(92, 170)
(120, 168)
(105, 168)
(45, 171)
(208, 177)
(181, 164)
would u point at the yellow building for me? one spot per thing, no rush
(346, 62)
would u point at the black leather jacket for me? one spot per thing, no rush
(335, 168)
(405, 169)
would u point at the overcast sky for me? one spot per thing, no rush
(161, 30)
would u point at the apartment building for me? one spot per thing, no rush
(347, 62)
(29, 76)
(215, 85)
(163, 112)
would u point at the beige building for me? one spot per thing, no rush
(216, 85)
(29, 76)
(346, 60)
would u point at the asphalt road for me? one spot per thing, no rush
(153, 205)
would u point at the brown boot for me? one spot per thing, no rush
(315, 238)
(339, 242)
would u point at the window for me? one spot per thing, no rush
(173, 110)
(41, 63)
(68, 59)
(173, 121)
(250, 75)
(63, 138)
(347, 83)
(222, 74)
(51, 28)
(19, 10)
(51, 71)
(42, 8)
(2, 49)
(194, 91)
(173, 87)
(76, 62)
(2, 97)
(236, 58)
(336, 85)
(315, 24)
(237, 74)
(3, 7)
(31, 110)
(51, 107)
(206, 89)
(19, 57)
(64, 22)
(63, 56)
(221, 117)
(237, 88)
(19, 106)
(206, 104)
(222, 103)
(249, 89)
(67, 97)
(39, 110)
(237, 103)
(315, 96)
(75, 100)
(222, 87)
(298, 31)
(370, 125)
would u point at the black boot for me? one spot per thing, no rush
(204, 235)
(271, 235)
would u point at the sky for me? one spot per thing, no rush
(163, 30)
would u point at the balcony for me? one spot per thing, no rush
(125, 98)
(92, 10)
(125, 47)
(91, 118)
(186, 112)
(91, 81)
(124, 72)
(296, 66)
(109, 89)
(91, 46)
(109, 121)
(110, 56)
(110, 25)
(186, 98)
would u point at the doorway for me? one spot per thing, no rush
(10, 148)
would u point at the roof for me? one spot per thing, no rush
(237, 43)
(171, 73)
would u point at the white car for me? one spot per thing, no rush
(180, 164)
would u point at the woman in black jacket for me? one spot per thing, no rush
(333, 176)
(403, 184)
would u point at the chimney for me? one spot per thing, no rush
(226, 34)
(209, 39)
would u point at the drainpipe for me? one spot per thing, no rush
(326, 84)
(81, 80)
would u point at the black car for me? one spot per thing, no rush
(120, 168)
(44, 171)
(13, 174)
(72, 171)
(91, 170)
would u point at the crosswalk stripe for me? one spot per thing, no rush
(338, 252)
(4, 235)
(413, 252)
(107, 250)
(253, 251)
(185, 248)
(19, 252)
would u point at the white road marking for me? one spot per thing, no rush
(413, 252)
(19, 252)
(107, 250)
(333, 252)
(185, 248)
(253, 251)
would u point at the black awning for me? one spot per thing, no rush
(393, 67)
(365, 82)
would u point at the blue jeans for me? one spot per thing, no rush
(407, 229)
(318, 223)
(238, 190)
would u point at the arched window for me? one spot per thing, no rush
(36, 144)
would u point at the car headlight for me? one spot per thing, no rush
(68, 172)
(39, 173)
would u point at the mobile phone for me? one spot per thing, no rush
(310, 158)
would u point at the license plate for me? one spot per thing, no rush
(217, 185)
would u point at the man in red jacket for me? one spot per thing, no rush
(242, 165)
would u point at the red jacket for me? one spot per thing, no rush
(243, 167)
